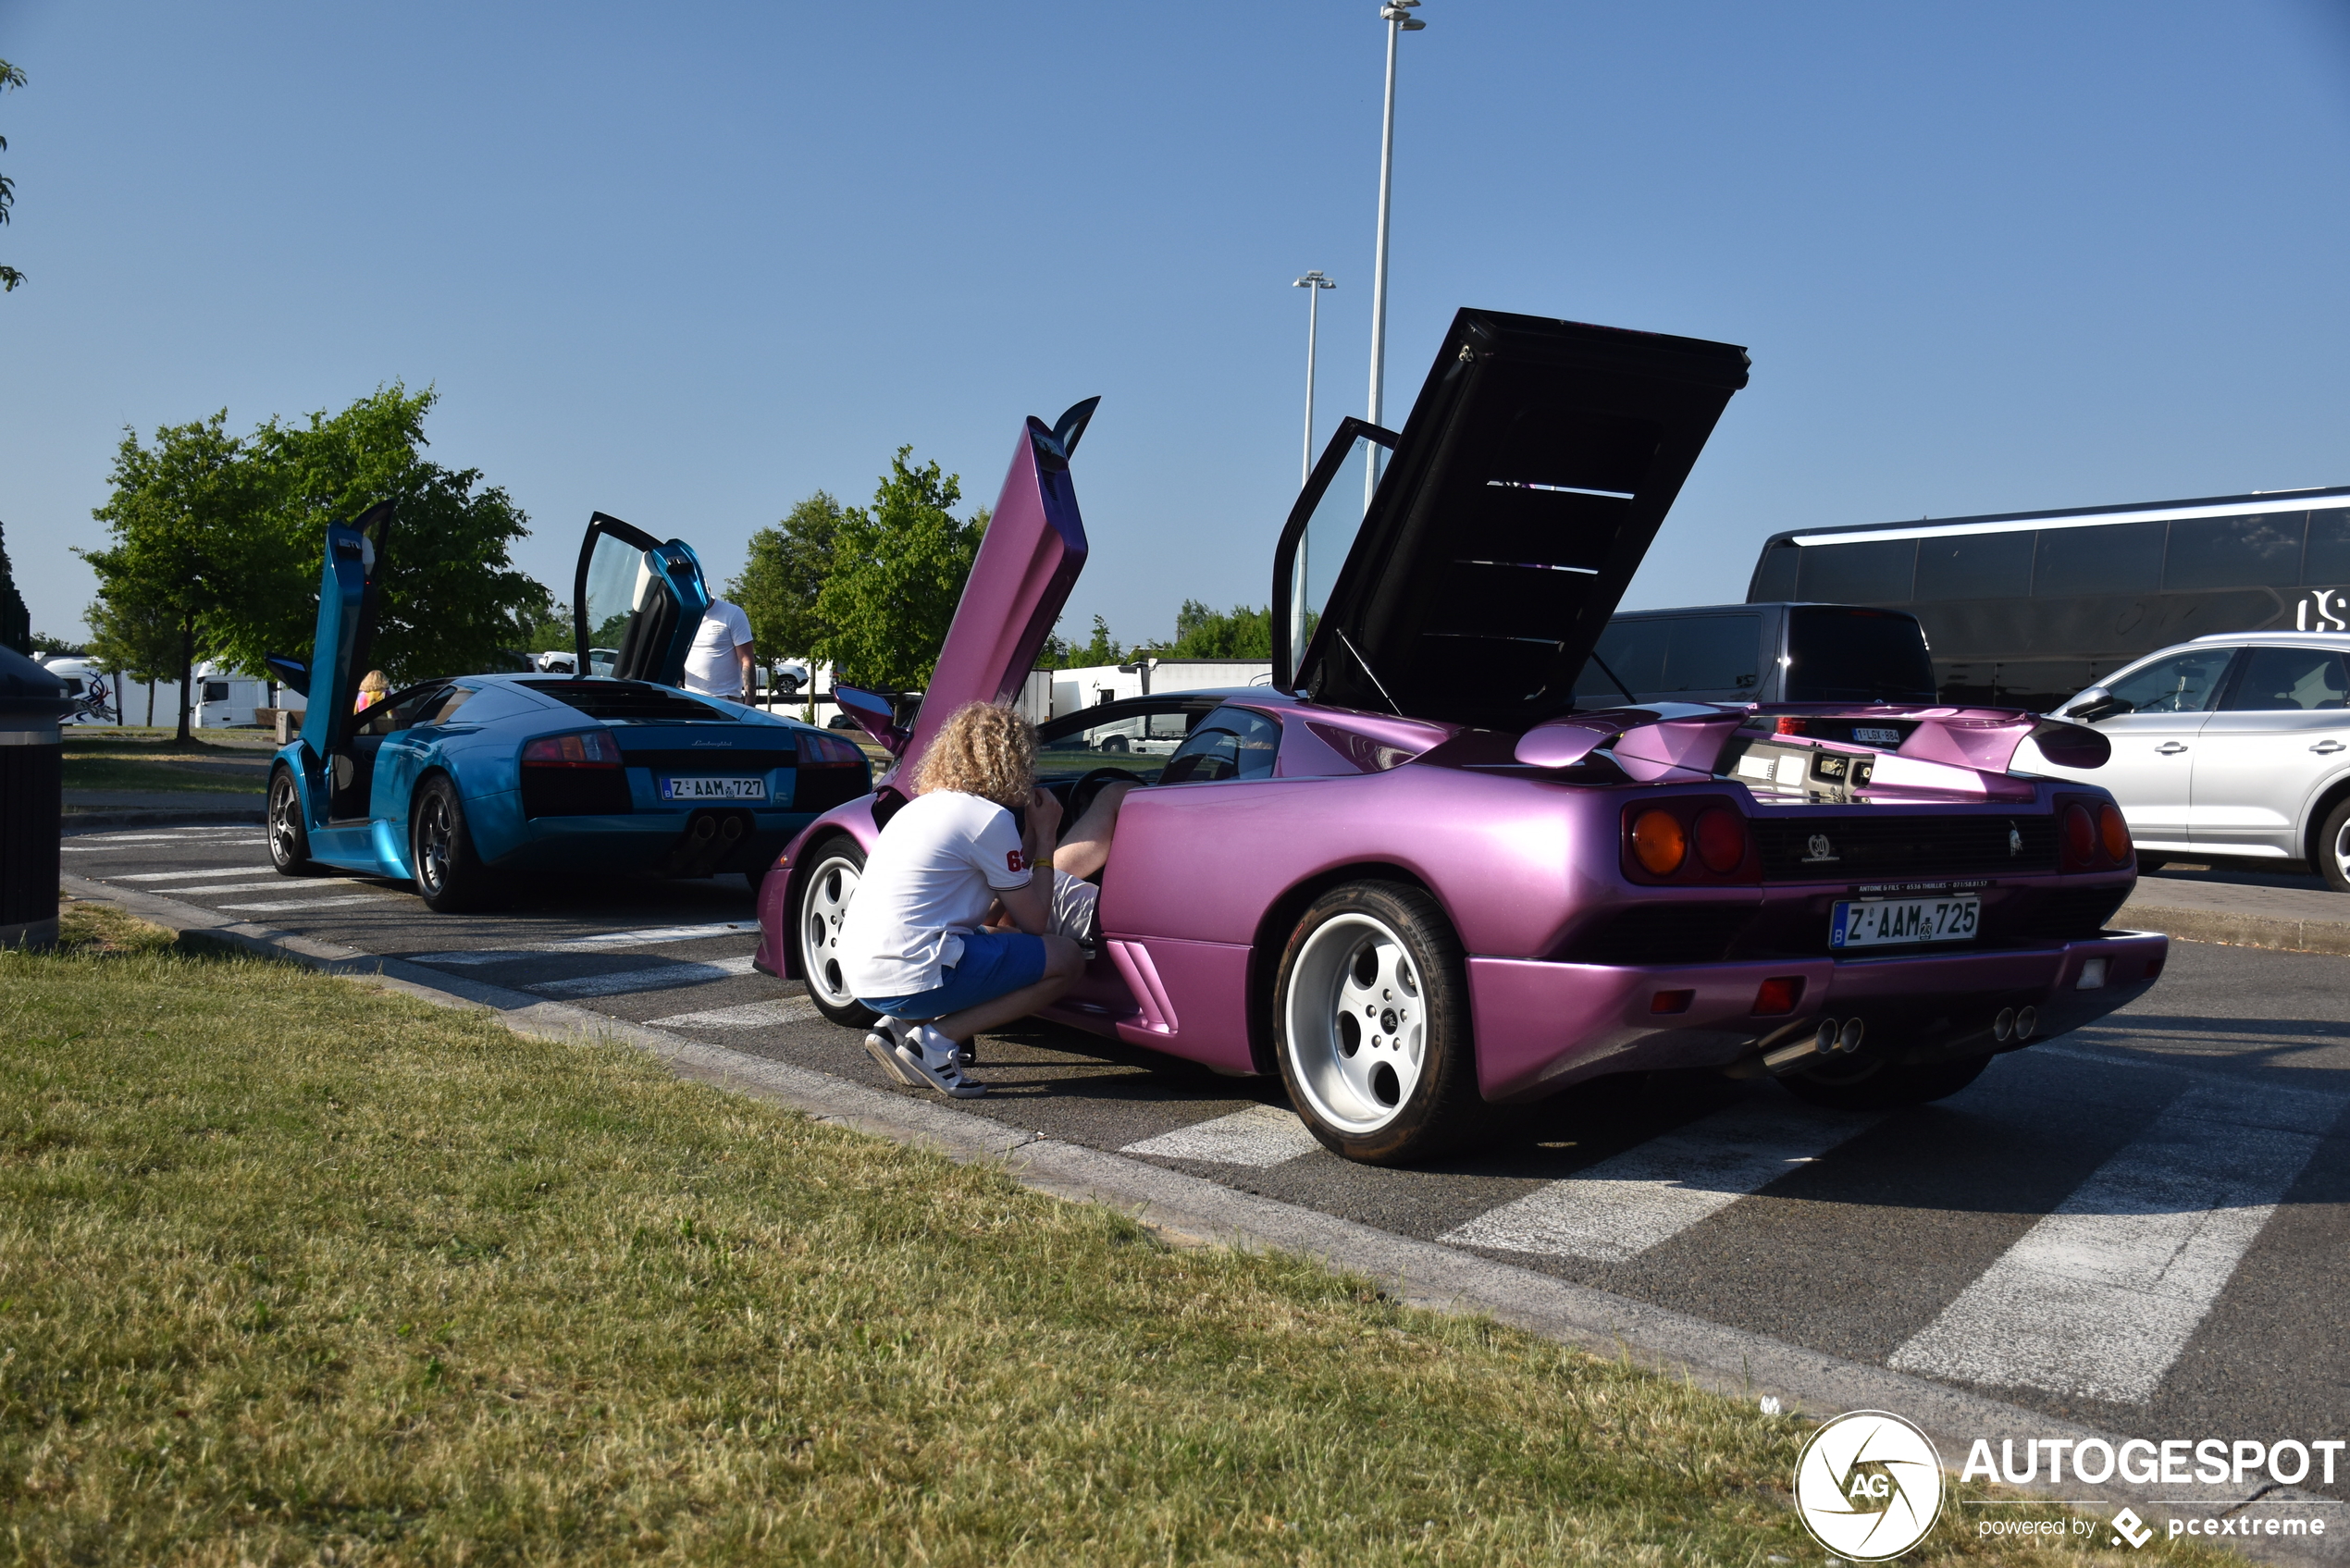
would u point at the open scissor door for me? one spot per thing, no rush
(348, 595)
(635, 603)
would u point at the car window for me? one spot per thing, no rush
(2303, 678)
(2183, 683)
(1231, 743)
(404, 710)
(1140, 743)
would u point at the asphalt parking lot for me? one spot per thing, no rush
(2143, 1226)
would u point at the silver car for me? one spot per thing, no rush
(2235, 744)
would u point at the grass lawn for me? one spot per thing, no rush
(106, 759)
(291, 1271)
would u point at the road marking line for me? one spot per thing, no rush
(2100, 1297)
(1624, 1205)
(750, 1015)
(662, 977)
(1260, 1136)
(649, 937)
(280, 884)
(111, 845)
(186, 876)
(298, 903)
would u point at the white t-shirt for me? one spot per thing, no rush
(712, 668)
(935, 871)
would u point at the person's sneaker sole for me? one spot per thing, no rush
(882, 1051)
(952, 1084)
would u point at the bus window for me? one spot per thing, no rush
(1774, 575)
(2258, 551)
(1877, 571)
(2183, 685)
(2327, 564)
(1975, 566)
(1839, 655)
(2119, 558)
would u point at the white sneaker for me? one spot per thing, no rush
(880, 1044)
(934, 1056)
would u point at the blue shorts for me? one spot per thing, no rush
(995, 963)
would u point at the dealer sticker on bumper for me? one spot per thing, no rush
(713, 789)
(1885, 923)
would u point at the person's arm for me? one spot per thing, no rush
(746, 659)
(1030, 907)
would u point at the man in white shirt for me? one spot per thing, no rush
(721, 659)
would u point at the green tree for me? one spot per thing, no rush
(16, 621)
(1202, 632)
(451, 599)
(184, 513)
(10, 76)
(897, 573)
(136, 643)
(784, 575)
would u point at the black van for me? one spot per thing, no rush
(1759, 653)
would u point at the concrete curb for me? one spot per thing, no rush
(2239, 931)
(1192, 1210)
(77, 822)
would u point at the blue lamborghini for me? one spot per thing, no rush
(457, 781)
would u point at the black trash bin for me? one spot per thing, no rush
(31, 799)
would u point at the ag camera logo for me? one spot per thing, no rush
(1868, 1486)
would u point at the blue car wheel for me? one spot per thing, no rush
(450, 875)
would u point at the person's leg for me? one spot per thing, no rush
(1085, 849)
(1063, 964)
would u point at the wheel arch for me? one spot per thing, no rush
(2328, 798)
(1281, 917)
(819, 837)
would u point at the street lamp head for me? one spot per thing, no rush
(1313, 279)
(1401, 11)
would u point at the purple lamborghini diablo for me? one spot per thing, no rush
(1414, 879)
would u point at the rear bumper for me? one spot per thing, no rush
(1542, 1026)
(642, 840)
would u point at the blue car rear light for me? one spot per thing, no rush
(588, 748)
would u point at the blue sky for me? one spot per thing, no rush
(689, 264)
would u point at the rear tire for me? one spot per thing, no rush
(450, 875)
(1371, 1025)
(824, 896)
(1876, 1084)
(2333, 848)
(289, 835)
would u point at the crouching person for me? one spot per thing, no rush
(912, 945)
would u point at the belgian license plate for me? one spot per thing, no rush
(713, 789)
(1885, 922)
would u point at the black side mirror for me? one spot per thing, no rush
(2094, 704)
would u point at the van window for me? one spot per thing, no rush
(1841, 655)
(1665, 656)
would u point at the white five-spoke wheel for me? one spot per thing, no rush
(1371, 1024)
(824, 898)
(1357, 1031)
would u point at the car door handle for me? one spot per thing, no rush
(2327, 748)
(2170, 749)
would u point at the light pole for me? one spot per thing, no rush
(1312, 283)
(1400, 21)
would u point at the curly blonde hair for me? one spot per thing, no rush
(985, 749)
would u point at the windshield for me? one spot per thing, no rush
(1837, 654)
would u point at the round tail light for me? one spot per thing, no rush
(2113, 830)
(1720, 841)
(2079, 837)
(1659, 843)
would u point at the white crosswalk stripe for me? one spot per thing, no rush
(2100, 1297)
(191, 876)
(280, 906)
(750, 1015)
(652, 936)
(623, 983)
(1623, 1206)
(276, 883)
(1260, 1136)
(107, 845)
